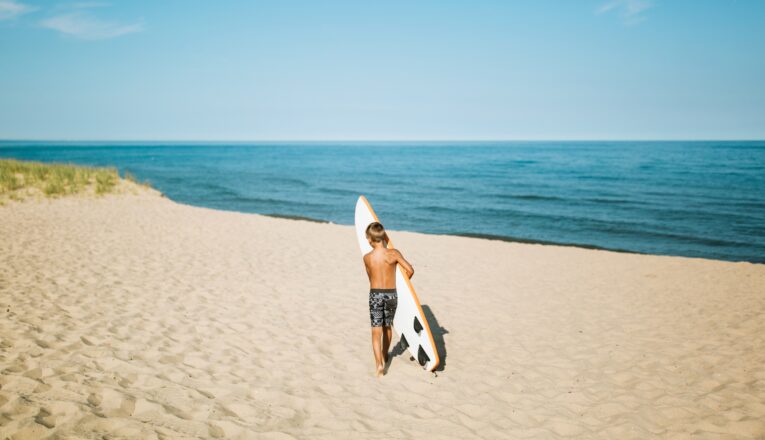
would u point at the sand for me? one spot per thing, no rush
(132, 316)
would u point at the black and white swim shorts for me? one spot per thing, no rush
(382, 306)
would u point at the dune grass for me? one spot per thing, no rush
(21, 179)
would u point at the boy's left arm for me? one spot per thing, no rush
(366, 266)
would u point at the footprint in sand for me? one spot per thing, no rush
(224, 411)
(126, 381)
(215, 431)
(112, 403)
(35, 373)
(94, 399)
(177, 412)
(45, 418)
(16, 368)
(43, 387)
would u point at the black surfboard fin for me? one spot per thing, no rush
(417, 325)
(404, 343)
(422, 357)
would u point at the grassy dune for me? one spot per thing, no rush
(20, 180)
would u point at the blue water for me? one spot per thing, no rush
(698, 199)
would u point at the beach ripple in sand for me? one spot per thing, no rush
(136, 317)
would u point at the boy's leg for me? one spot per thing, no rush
(376, 347)
(391, 303)
(387, 334)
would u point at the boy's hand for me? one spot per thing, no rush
(408, 269)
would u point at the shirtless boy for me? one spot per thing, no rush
(383, 299)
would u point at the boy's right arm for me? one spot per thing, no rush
(405, 264)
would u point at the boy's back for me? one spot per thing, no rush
(381, 267)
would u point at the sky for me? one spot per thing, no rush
(382, 70)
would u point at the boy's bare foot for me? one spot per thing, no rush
(380, 371)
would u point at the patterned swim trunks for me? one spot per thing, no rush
(382, 306)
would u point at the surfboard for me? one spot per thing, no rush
(409, 321)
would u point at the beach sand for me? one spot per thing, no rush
(132, 316)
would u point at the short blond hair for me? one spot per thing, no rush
(376, 232)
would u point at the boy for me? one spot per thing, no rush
(383, 299)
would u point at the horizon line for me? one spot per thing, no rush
(387, 140)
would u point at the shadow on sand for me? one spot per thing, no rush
(438, 336)
(438, 339)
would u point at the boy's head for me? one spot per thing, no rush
(375, 232)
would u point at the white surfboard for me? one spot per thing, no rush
(409, 321)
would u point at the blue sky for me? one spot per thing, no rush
(473, 69)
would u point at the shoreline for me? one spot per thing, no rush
(476, 236)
